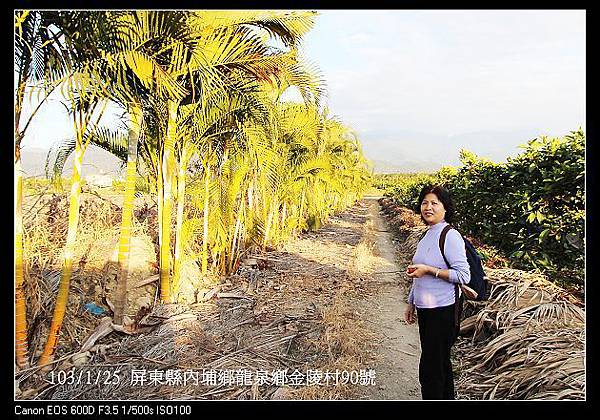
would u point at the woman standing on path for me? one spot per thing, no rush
(435, 293)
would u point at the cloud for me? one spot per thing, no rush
(448, 72)
(360, 38)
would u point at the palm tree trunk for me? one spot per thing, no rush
(205, 232)
(234, 242)
(268, 225)
(251, 196)
(168, 163)
(21, 347)
(63, 291)
(126, 218)
(284, 226)
(301, 211)
(275, 228)
(160, 199)
(249, 225)
(179, 225)
(165, 234)
(19, 106)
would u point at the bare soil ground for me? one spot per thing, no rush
(329, 302)
(399, 348)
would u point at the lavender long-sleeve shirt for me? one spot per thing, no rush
(429, 291)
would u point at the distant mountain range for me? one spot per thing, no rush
(96, 161)
(407, 151)
(385, 167)
(404, 151)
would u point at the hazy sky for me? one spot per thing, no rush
(447, 72)
(401, 76)
(395, 74)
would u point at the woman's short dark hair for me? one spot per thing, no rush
(443, 195)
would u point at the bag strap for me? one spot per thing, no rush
(443, 241)
(456, 292)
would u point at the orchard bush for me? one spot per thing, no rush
(399, 185)
(532, 207)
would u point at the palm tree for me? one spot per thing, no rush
(83, 109)
(110, 59)
(316, 168)
(39, 57)
(128, 63)
(138, 90)
(226, 46)
(206, 131)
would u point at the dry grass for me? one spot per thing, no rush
(94, 261)
(293, 313)
(346, 341)
(363, 260)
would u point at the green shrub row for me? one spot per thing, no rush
(531, 207)
(401, 186)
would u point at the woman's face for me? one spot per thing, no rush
(432, 209)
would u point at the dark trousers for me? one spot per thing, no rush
(437, 331)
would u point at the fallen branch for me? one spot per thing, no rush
(104, 329)
(146, 281)
(252, 346)
(226, 295)
(407, 352)
(266, 258)
(210, 294)
(180, 317)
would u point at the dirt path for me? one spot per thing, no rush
(399, 349)
(358, 242)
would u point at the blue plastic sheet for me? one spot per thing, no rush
(94, 309)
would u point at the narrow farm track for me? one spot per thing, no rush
(399, 348)
(382, 303)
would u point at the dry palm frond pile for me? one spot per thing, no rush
(400, 216)
(526, 342)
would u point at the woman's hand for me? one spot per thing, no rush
(409, 314)
(418, 270)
